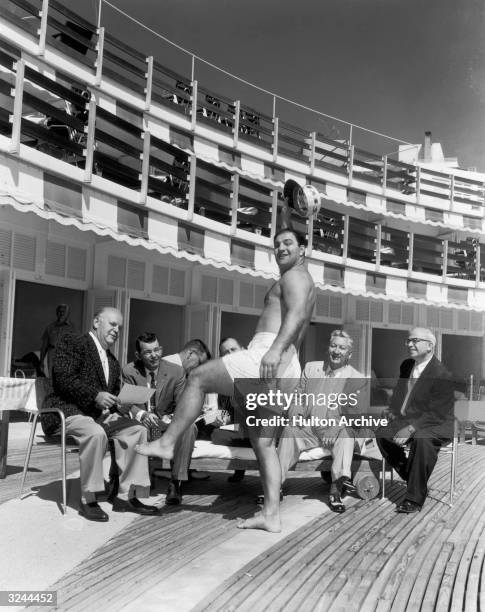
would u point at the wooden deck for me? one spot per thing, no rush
(368, 559)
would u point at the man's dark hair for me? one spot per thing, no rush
(226, 339)
(146, 338)
(299, 237)
(199, 347)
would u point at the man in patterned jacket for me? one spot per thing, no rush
(86, 383)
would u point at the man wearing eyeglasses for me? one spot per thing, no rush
(421, 417)
(167, 376)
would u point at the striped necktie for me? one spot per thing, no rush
(153, 385)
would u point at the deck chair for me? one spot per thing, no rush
(461, 411)
(27, 395)
(34, 405)
(467, 412)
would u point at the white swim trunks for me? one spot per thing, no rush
(246, 363)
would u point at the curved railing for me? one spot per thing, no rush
(67, 118)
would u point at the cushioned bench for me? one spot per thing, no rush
(367, 466)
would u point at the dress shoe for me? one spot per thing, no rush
(174, 493)
(347, 487)
(93, 512)
(133, 505)
(197, 475)
(113, 488)
(408, 507)
(335, 503)
(260, 498)
(237, 476)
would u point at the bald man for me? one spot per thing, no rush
(86, 383)
(421, 417)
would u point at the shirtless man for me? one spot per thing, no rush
(272, 354)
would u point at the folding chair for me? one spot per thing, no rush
(26, 395)
(34, 392)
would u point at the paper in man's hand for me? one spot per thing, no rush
(135, 394)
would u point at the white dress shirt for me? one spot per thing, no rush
(103, 356)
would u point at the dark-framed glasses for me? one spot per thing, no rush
(415, 341)
(155, 351)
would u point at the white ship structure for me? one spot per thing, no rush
(125, 183)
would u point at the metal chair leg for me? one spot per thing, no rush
(383, 478)
(454, 449)
(63, 459)
(28, 453)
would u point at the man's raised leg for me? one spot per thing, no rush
(211, 377)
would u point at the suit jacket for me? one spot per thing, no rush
(78, 376)
(431, 401)
(169, 385)
(314, 381)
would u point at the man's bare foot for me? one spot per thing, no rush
(155, 449)
(260, 521)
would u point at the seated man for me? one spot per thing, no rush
(421, 416)
(86, 382)
(227, 408)
(167, 376)
(319, 378)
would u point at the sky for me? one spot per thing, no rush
(399, 67)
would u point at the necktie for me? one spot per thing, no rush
(411, 383)
(105, 363)
(153, 385)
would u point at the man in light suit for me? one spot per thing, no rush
(167, 376)
(334, 376)
(86, 382)
(421, 416)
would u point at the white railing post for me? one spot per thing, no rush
(145, 165)
(16, 118)
(384, 174)
(275, 138)
(346, 238)
(42, 31)
(193, 105)
(149, 85)
(477, 264)
(452, 192)
(351, 164)
(90, 141)
(237, 114)
(378, 246)
(313, 136)
(234, 202)
(274, 212)
(418, 184)
(99, 58)
(445, 260)
(309, 247)
(192, 175)
(411, 253)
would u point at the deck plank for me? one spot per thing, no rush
(44, 466)
(400, 563)
(368, 559)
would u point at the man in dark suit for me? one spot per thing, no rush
(168, 378)
(86, 382)
(420, 415)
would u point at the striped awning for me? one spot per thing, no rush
(162, 231)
